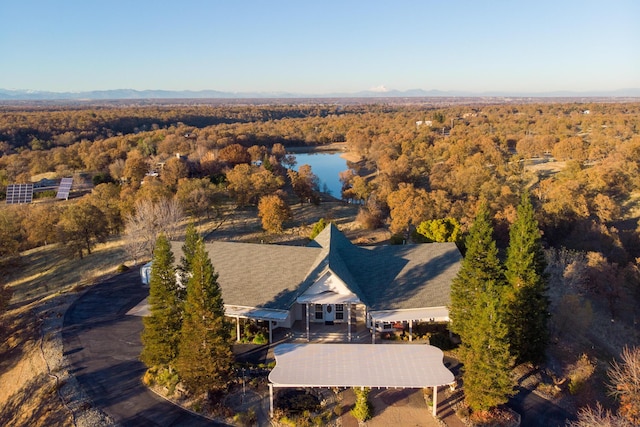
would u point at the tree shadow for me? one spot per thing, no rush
(35, 404)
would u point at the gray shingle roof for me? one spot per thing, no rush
(383, 277)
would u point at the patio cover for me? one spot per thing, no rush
(359, 365)
(255, 313)
(434, 314)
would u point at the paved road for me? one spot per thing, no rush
(102, 345)
(538, 412)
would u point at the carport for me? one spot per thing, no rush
(359, 365)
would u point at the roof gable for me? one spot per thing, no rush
(382, 277)
(328, 283)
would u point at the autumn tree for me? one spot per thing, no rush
(247, 183)
(304, 183)
(624, 377)
(477, 315)
(408, 207)
(40, 224)
(82, 226)
(372, 215)
(174, 169)
(234, 154)
(10, 233)
(161, 333)
(107, 198)
(274, 211)
(135, 168)
(527, 302)
(205, 359)
(197, 196)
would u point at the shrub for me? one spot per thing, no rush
(369, 220)
(580, 372)
(122, 268)
(397, 239)
(260, 338)
(317, 228)
(441, 340)
(245, 418)
(363, 409)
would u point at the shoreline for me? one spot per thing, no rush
(334, 147)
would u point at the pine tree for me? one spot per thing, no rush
(205, 358)
(191, 238)
(527, 303)
(161, 332)
(480, 269)
(486, 356)
(477, 314)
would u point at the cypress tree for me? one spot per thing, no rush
(205, 358)
(527, 302)
(477, 315)
(161, 332)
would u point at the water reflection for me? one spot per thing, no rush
(327, 167)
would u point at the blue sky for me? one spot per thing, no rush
(314, 47)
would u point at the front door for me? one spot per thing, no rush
(329, 312)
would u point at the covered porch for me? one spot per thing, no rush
(385, 320)
(359, 365)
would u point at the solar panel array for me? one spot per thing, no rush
(19, 193)
(64, 189)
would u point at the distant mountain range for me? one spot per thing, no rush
(117, 94)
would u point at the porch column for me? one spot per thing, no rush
(373, 330)
(435, 400)
(307, 305)
(270, 332)
(410, 330)
(349, 321)
(238, 328)
(270, 400)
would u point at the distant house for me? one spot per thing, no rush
(333, 281)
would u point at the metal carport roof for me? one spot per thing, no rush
(359, 365)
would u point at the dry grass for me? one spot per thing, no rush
(48, 270)
(38, 278)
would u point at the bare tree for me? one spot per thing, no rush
(148, 221)
(625, 384)
(598, 417)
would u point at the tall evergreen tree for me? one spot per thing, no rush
(480, 269)
(486, 356)
(205, 358)
(477, 314)
(191, 238)
(161, 332)
(527, 302)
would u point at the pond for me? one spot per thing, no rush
(327, 167)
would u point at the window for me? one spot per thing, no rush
(339, 311)
(318, 311)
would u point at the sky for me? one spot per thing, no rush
(320, 47)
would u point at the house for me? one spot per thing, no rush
(332, 281)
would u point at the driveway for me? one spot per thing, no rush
(102, 345)
(537, 411)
